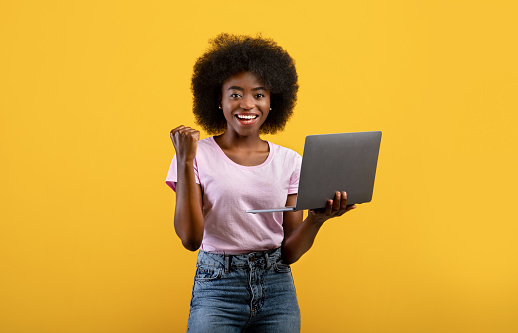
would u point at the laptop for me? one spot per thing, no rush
(335, 162)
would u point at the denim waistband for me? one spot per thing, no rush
(228, 261)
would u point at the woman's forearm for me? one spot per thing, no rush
(301, 239)
(188, 216)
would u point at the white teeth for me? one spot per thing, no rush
(241, 116)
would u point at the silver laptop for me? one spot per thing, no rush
(335, 162)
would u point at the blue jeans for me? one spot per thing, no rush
(243, 293)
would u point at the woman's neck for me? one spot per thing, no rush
(233, 141)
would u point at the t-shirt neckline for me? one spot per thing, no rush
(226, 158)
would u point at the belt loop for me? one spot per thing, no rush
(267, 260)
(227, 263)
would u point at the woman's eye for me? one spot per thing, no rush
(259, 95)
(234, 95)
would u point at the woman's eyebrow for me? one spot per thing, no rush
(239, 88)
(235, 88)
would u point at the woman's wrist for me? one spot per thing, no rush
(184, 162)
(315, 219)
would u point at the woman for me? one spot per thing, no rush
(243, 87)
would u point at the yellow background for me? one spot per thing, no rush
(90, 89)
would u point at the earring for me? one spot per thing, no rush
(270, 109)
(219, 107)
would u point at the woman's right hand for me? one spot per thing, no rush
(185, 141)
(188, 213)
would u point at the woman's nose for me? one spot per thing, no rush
(247, 103)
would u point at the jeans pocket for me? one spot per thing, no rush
(281, 267)
(207, 273)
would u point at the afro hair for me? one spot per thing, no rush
(233, 54)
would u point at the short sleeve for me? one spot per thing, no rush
(295, 176)
(171, 178)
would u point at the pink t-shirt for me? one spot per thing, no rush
(229, 189)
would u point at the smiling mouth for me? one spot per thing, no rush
(247, 119)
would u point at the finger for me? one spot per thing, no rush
(177, 135)
(191, 134)
(180, 133)
(184, 133)
(342, 211)
(188, 130)
(343, 202)
(329, 207)
(336, 201)
(174, 135)
(176, 129)
(184, 130)
(345, 210)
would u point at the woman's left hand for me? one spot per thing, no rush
(336, 207)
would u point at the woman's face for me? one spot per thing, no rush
(245, 102)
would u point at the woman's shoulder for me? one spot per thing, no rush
(208, 149)
(285, 152)
(207, 143)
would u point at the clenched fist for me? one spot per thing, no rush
(185, 141)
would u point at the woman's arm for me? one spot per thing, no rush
(299, 235)
(188, 216)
